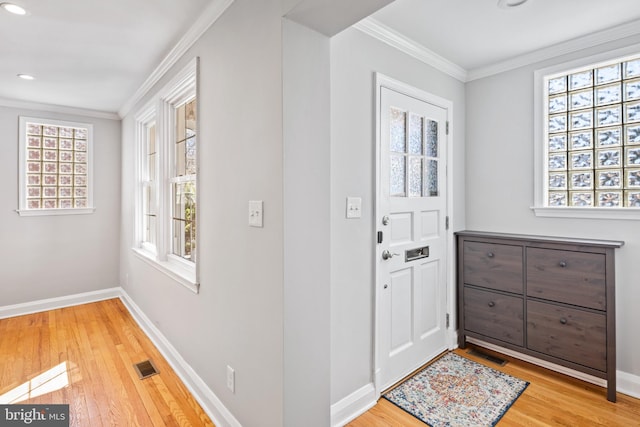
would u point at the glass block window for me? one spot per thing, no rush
(183, 190)
(55, 166)
(414, 155)
(592, 136)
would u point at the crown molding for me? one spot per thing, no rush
(210, 15)
(605, 36)
(61, 109)
(379, 31)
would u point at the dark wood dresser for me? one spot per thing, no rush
(547, 297)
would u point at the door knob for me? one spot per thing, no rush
(386, 254)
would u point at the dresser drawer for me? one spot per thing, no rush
(567, 333)
(576, 278)
(494, 315)
(494, 266)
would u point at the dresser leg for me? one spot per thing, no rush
(611, 390)
(462, 342)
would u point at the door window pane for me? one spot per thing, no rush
(415, 176)
(397, 174)
(398, 126)
(415, 134)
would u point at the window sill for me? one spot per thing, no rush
(184, 276)
(588, 213)
(53, 212)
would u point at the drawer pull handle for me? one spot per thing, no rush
(563, 264)
(563, 320)
(491, 304)
(490, 254)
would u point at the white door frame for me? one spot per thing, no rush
(381, 81)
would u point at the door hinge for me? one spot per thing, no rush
(446, 222)
(447, 320)
(447, 127)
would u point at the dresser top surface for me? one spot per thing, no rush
(538, 238)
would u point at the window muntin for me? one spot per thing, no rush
(55, 167)
(592, 136)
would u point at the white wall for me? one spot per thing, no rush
(354, 59)
(499, 186)
(52, 256)
(237, 318)
(307, 225)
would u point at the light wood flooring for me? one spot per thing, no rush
(83, 356)
(551, 399)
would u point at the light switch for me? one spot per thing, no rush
(255, 213)
(354, 207)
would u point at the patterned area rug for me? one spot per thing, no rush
(455, 391)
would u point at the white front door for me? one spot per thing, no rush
(411, 219)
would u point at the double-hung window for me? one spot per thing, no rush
(55, 167)
(588, 139)
(148, 203)
(166, 225)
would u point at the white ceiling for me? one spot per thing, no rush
(475, 34)
(96, 54)
(86, 53)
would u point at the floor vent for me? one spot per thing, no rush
(488, 357)
(145, 369)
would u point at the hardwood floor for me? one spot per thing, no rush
(83, 356)
(552, 399)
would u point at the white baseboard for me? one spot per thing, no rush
(354, 405)
(210, 403)
(628, 384)
(58, 302)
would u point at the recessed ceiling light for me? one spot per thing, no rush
(26, 77)
(13, 8)
(505, 4)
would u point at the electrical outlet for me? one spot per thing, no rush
(231, 379)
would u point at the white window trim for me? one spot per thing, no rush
(181, 88)
(539, 141)
(22, 168)
(143, 119)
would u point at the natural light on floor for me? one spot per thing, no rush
(54, 379)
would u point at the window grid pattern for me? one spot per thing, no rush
(184, 182)
(413, 155)
(593, 129)
(57, 167)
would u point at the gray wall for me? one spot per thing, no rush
(237, 318)
(53, 256)
(499, 186)
(354, 59)
(307, 224)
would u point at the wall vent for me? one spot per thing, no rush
(145, 369)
